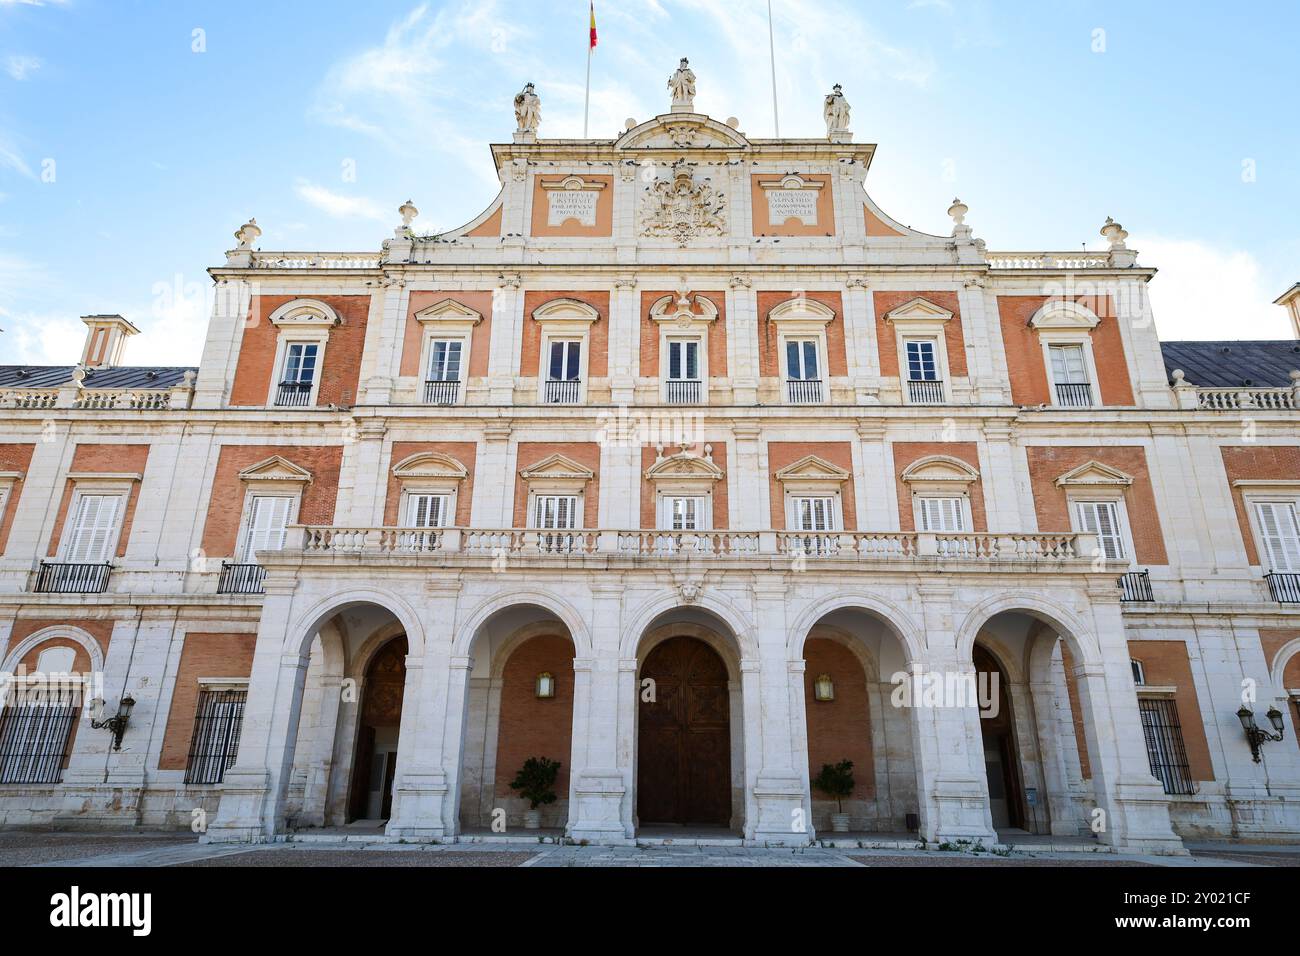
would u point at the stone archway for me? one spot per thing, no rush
(1001, 750)
(374, 765)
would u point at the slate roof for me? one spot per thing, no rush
(1232, 364)
(52, 376)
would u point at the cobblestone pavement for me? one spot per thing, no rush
(183, 849)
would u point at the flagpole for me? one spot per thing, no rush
(771, 47)
(586, 106)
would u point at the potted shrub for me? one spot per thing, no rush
(535, 782)
(836, 781)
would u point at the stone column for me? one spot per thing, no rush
(385, 334)
(860, 339)
(1005, 486)
(742, 341)
(978, 317)
(363, 483)
(230, 311)
(624, 341)
(748, 480)
(505, 344)
(494, 483)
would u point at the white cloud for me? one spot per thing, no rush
(1206, 292)
(32, 3)
(338, 205)
(10, 159)
(21, 67)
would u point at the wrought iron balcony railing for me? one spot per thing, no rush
(925, 392)
(293, 394)
(1074, 394)
(1284, 587)
(806, 391)
(682, 392)
(563, 392)
(66, 578)
(441, 393)
(1135, 587)
(241, 579)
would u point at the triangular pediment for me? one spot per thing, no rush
(430, 465)
(275, 468)
(919, 309)
(449, 310)
(557, 467)
(940, 468)
(812, 468)
(684, 466)
(1095, 473)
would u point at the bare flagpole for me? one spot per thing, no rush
(771, 46)
(591, 47)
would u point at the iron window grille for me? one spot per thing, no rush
(34, 738)
(1165, 750)
(214, 745)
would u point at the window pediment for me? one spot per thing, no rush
(448, 313)
(802, 314)
(305, 314)
(85, 477)
(566, 312)
(685, 466)
(1094, 474)
(812, 469)
(1065, 315)
(557, 468)
(918, 310)
(430, 465)
(940, 469)
(683, 310)
(276, 468)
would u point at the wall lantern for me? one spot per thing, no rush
(824, 688)
(116, 725)
(1256, 734)
(545, 686)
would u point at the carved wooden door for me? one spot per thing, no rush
(684, 765)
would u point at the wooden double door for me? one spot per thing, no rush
(684, 742)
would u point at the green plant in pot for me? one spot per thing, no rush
(535, 782)
(836, 781)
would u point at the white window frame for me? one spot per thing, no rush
(801, 320)
(534, 497)
(703, 510)
(447, 321)
(961, 511)
(1048, 340)
(119, 487)
(685, 339)
(565, 320)
(413, 492)
(921, 321)
(246, 518)
(835, 512)
(1114, 498)
(301, 322)
(430, 351)
(684, 317)
(1264, 555)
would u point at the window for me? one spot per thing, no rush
(94, 529)
(214, 744)
(801, 360)
(268, 520)
(684, 360)
(564, 372)
(35, 730)
(299, 374)
(556, 513)
(1164, 740)
(1070, 375)
(941, 515)
(444, 360)
(684, 514)
(1102, 519)
(1139, 672)
(816, 519)
(426, 512)
(921, 363)
(1281, 533)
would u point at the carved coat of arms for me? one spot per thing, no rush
(682, 209)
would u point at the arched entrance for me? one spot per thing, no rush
(375, 763)
(1001, 755)
(684, 752)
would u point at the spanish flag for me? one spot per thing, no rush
(593, 24)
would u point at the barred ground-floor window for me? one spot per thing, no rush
(214, 745)
(35, 731)
(1164, 739)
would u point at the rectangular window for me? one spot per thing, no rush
(941, 515)
(684, 360)
(34, 735)
(1164, 739)
(814, 514)
(558, 512)
(1068, 366)
(1102, 519)
(801, 360)
(444, 361)
(268, 521)
(300, 363)
(426, 511)
(215, 742)
(93, 529)
(684, 514)
(566, 361)
(921, 363)
(1281, 530)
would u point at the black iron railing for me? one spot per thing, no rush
(34, 738)
(563, 392)
(241, 579)
(1135, 586)
(804, 391)
(65, 578)
(214, 744)
(1164, 739)
(1074, 395)
(293, 394)
(1285, 588)
(441, 393)
(924, 392)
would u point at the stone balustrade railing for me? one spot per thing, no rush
(853, 545)
(315, 260)
(97, 399)
(1049, 260)
(1245, 399)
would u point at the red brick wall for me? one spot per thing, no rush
(1273, 640)
(226, 506)
(781, 454)
(108, 459)
(839, 729)
(204, 655)
(1166, 665)
(598, 343)
(531, 727)
(1257, 463)
(463, 452)
(586, 454)
(341, 370)
(907, 452)
(717, 335)
(649, 498)
(887, 332)
(769, 362)
(101, 631)
(1046, 464)
(1076, 711)
(1024, 350)
(480, 338)
(13, 458)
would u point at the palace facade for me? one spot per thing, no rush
(684, 466)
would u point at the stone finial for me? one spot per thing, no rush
(682, 86)
(528, 113)
(248, 233)
(960, 231)
(408, 212)
(1179, 377)
(836, 111)
(630, 123)
(1115, 234)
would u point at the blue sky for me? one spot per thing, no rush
(128, 156)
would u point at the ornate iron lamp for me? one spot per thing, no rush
(824, 688)
(1256, 734)
(116, 725)
(545, 686)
